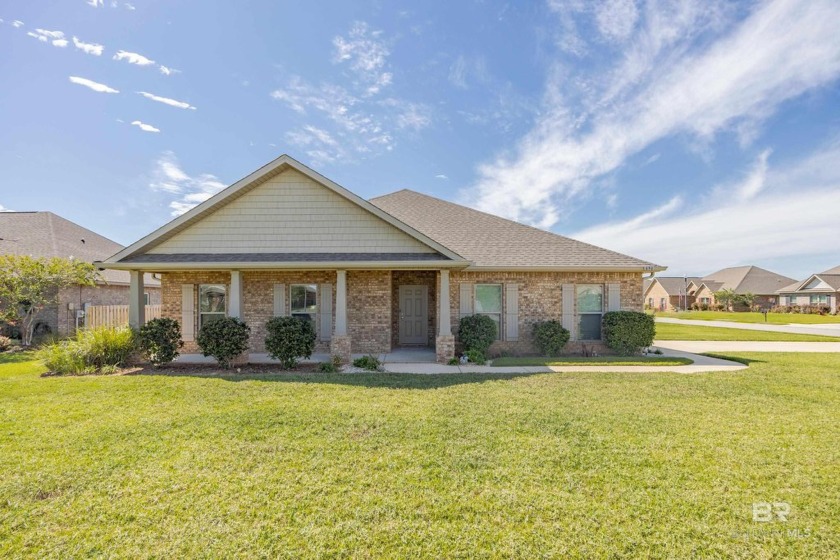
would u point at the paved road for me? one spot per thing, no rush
(825, 330)
(696, 346)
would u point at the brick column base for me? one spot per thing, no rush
(340, 346)
(444, 348)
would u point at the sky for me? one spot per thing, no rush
(695, 134)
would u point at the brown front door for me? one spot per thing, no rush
(414, 314)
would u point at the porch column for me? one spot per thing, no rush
(444, 342)
(136, 300)
(234, 308)
(341, 303)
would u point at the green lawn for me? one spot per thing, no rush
(672, 331)
(772, 318)
(599, 361)
(576, 465)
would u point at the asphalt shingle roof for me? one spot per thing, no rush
(674, 284)
(748, 279)
(491, 241)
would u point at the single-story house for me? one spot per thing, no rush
(669, 293)
(760, 282)
(822, 288)
(44, 234)
(397, 270)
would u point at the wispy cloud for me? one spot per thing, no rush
(169, 177)
(55, 37)
(466, 70)
(4, 209)
(675, 73)
(167, 100)
(366, 53)
(17, 23)
(133, 58)
(95, 3)
(166, 71)
(88, 48)
(145, 127)
(130, 7)
(95, 86)
(441, 176)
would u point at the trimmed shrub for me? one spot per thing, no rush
(160, 339)
(289, 338)
(5, 343)
(550, 337)
(368, 362)
(627, 332)
(102, 350)
(476, 357)
(224, 339)
(477, 332)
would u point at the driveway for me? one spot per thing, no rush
(824, 330)
(697, 346)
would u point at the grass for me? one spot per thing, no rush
(772, 318)
(576, 465)
(597, 361)
(673, 331)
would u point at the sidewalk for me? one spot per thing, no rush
(824, 330)
(696, 346)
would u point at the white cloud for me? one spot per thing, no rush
(168, 177)
(661, 85)
(129, 7)
(616, 19)
(441, 176)
(367, 55)
(145, 127)
(167, 101)
(17, 23)
(88, 48)
(468, 69)
(54, 37)
(95, 86)
(4, 209)
(166, 71)
(795, 212)
(133, 58)
(95, 3)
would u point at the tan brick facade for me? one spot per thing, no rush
(414, 278)
(62, 319)
(369, 311)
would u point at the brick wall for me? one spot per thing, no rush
(413, 278)
(63, 321)
(369, 310)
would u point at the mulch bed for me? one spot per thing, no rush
(204, 370)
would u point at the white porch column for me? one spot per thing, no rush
(341, 303)
(444, 314)
(234, 308)
(136, 300)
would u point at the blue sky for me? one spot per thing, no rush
(696, 134)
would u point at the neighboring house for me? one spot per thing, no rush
(669, 293)
(822, 288)
(763, 284)
(44, 234)
(399, 270)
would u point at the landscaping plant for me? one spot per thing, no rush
(160, 339)
(370, 363)
(550, 337)
(224, 339)
(477, 332)
(99, 350)
(5, 343)
(627, 332)
(289, 338)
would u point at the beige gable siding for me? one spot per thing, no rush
(291, 213)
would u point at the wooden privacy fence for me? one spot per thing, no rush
(114, 315)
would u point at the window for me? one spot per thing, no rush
(488, 301)
(146, 298)
(212, 303)
(705, 300)
(650, 302)
(590, 308)
(304, 301)
(662, 304)
(817, 299)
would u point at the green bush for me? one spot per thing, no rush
(160, 339)
(224, 339)
(5, 343)
(368, 362)
(550, 337)
(476, 357)
(333, 366)
(102, 350)
(477, 332)
(627, 332)
(289, 338)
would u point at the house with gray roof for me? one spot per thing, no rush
(399, 270)
(760, 282)
(820, 289)
(45, 234)
(669, 293)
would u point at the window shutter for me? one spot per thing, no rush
(613, 297)
(466, 299)
(279, 300)
(188, 312)
(569, 309)
(512, 312)
(325, 306)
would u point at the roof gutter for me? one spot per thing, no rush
(330, 265)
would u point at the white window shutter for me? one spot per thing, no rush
(466, 299)
(569, 309)
(512, 312)
(279, 300)
(188, 312)
(325, 307)
(613, 297)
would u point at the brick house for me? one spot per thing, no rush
(669, 293)
(398, 270)
(762, 283)
(820, 289)
(44, 234)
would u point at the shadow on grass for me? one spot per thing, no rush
(739, 359)
(17, 357)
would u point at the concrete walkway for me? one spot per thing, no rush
(824, 330)
(697, 346)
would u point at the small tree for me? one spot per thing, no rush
(160, 340)
(224, 339)
(725, 297)
(28, 285)
(288, 339)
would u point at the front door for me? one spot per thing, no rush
(414, 314)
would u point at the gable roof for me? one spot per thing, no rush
(673, 285)
(139, 252)
(748, 279)
(831, 280)
(44, 234)
(491, 242)
(831, 271)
